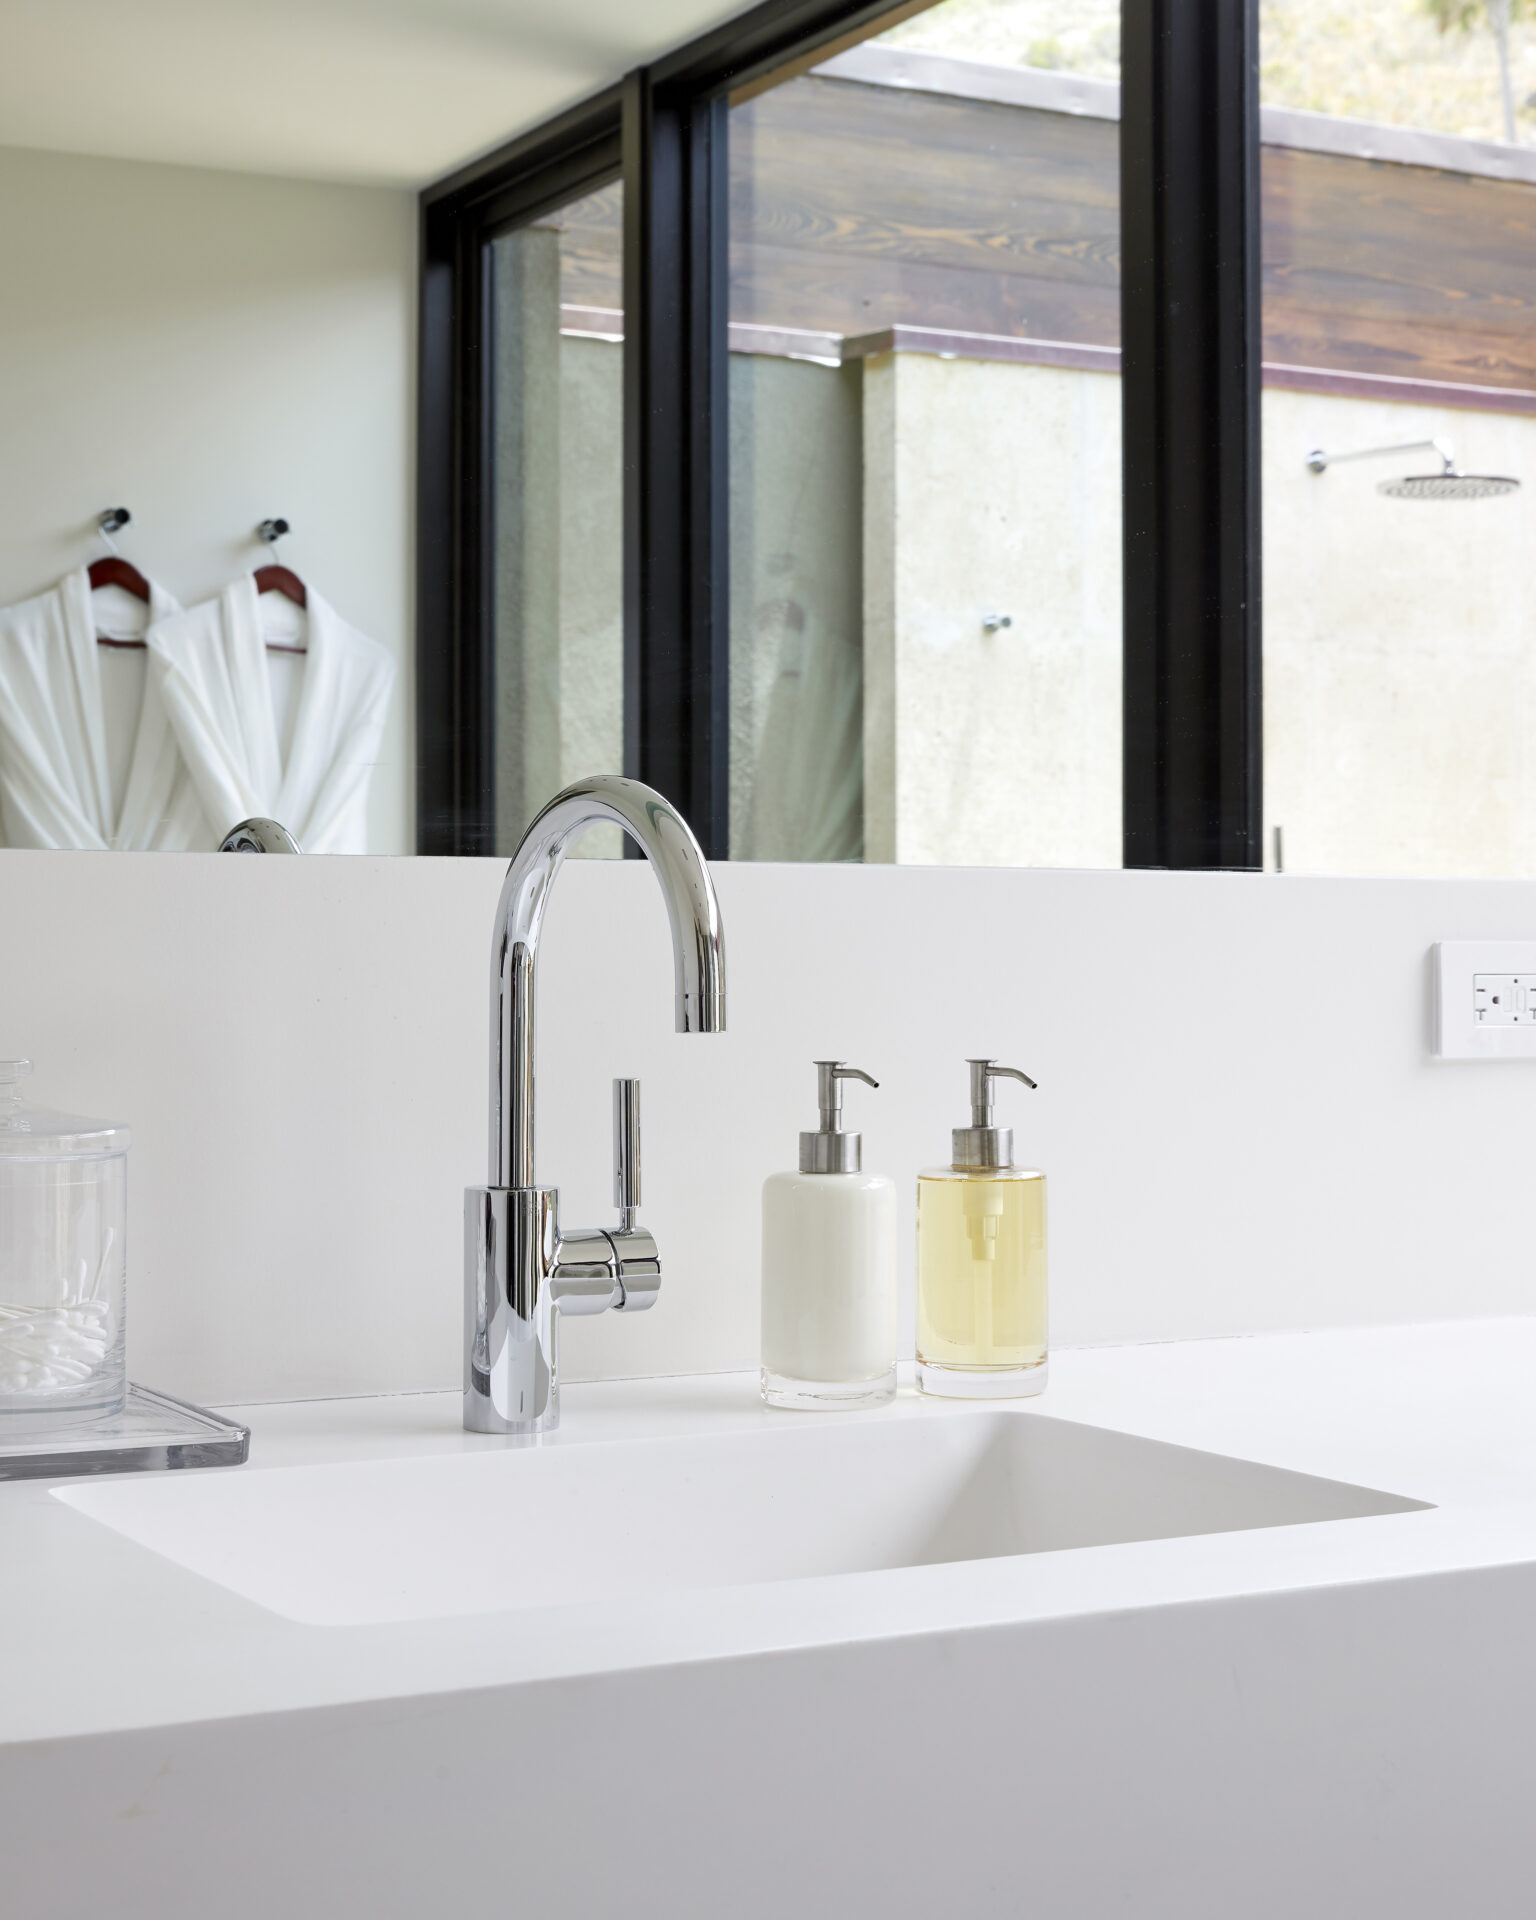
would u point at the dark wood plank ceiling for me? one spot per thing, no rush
(855, 208)
(1377, 268)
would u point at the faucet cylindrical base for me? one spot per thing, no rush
(511, 1377)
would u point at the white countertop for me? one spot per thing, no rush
(117, 1637)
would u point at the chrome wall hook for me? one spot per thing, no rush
(271, 531)
(110, 522)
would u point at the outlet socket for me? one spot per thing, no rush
(1485, 1000)
(1504, 999)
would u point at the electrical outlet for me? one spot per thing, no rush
(1485, 1000)
(1504, 999)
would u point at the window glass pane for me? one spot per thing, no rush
(1399, 255)
(925, 445)
(557, 500)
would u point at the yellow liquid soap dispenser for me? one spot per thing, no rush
(981, 1289)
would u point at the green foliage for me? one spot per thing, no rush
(1461, 16)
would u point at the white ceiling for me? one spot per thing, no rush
(395, 92)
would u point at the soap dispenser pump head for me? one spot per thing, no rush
(829, 1149)
(982, 1145)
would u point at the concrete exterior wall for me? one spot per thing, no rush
(592, 568)
(797, 776)
(797, 447)
(528, 465)
(880, 510)
(991, 488)
(1399, 645)
(559, 545)
(1399, 635)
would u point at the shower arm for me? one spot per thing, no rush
(1319, 462)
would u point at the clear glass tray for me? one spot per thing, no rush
(153, 1430)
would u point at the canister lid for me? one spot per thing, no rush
(39, 1133)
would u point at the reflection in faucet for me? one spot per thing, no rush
(519, 1265)
(258, 835)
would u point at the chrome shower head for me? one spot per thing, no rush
(1448, 485)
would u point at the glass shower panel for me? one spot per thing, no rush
(1399, 409)
(925, 445)
(557, 500)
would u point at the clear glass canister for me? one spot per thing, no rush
(63, 1265)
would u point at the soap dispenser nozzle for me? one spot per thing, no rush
(830, 1149)
(982, 1144)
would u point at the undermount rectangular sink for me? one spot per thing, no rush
(377, 1541)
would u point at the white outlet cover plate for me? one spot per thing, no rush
(1459, 1035)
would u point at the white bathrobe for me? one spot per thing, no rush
(210, 667)
(55, 779)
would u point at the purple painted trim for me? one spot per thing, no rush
(982, 346)
(1070, 353)
(1390, 386)
(799, 344)
(593, 323)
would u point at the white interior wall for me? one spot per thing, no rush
(211, 349)
(398, 92)
(1237, 1111)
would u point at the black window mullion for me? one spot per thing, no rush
(436, 540)
(1190, 368)
(454, 667)
(1190, 388)
(676, 399)
(676, 604)
(455, 628)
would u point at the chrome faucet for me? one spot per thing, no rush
(521, 1270)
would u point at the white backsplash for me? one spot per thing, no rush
(1237, 1110)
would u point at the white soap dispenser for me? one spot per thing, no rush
(829, 1268)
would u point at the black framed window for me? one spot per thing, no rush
(1399, 274)
(763, 767)
(520, 255)
(925, 475)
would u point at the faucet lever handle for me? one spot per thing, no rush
(626, 1151)
(637, 1266)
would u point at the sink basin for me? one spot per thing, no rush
(376, 1541)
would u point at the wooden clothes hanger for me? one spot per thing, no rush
(276, 578)
(112, 570)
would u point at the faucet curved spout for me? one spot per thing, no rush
(698, 943)
(523, 1270)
